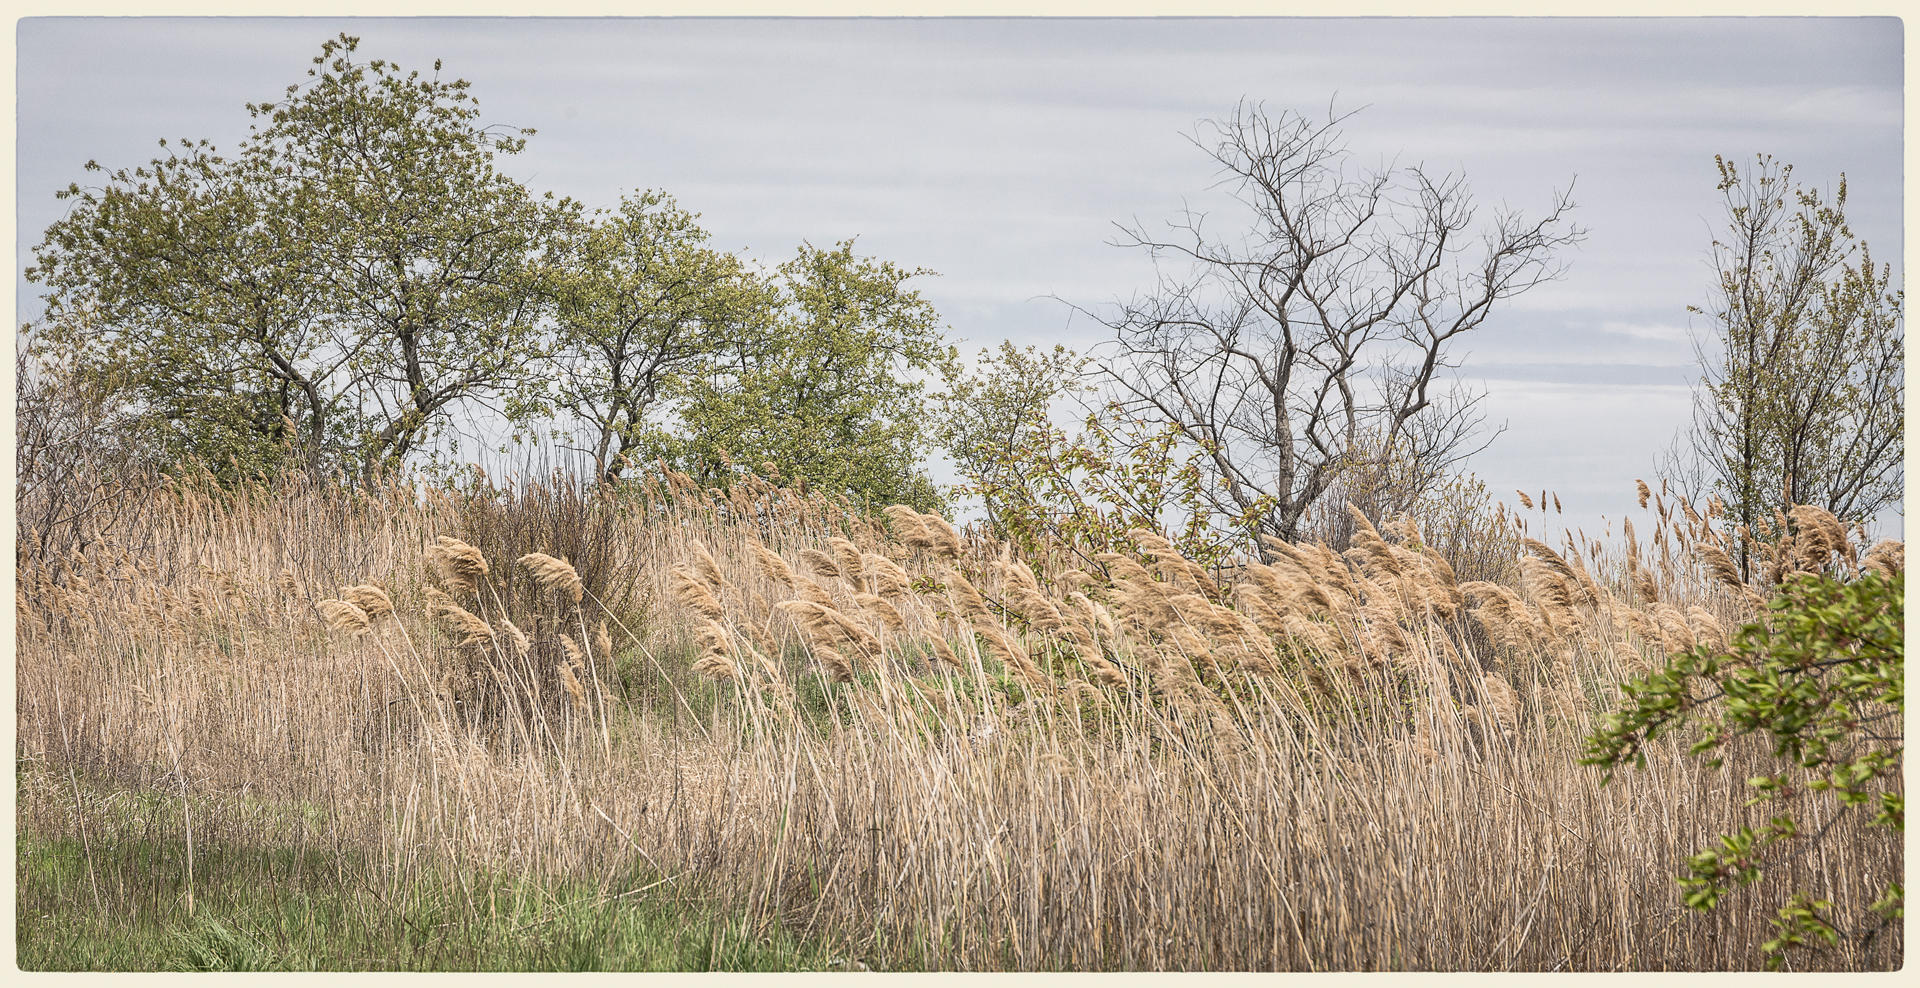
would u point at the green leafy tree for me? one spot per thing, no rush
(1803, 391)
(428, 249)
(641, 302)
(832, 389)
(358, 269)
(1081, 493)
(180, 286)
(1821, 676)
(990, 414)
(1050, 491)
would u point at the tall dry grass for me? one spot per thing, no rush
(899, 737)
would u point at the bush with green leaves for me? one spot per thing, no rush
(1820, 676)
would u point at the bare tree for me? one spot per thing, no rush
(1316, 337)
(78, 473)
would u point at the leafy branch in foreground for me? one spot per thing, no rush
(1822, 675)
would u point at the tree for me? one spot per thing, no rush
(1822, 676)
(354, 273)
(1048, 491)
(642, 301)
(179, 283)
(427, 249)
(1085, 493)
(989, 415)
(1802, 397)
(1390, 483)
(832, 390)
(1322, 329)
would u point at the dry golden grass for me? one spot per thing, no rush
(930, 752)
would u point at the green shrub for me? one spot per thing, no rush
(1821, 675)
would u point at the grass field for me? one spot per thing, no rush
(542, 729)
(114, 900)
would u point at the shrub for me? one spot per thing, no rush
(565, 516)
(1821, 675)
(76, 474)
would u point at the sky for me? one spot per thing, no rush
(1000, 153)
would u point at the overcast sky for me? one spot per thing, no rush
(999, 153)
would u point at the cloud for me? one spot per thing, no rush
(1657, 332)
(1585, 373)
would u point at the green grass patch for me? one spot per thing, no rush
(124, 907)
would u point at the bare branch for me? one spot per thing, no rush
(1323, 327)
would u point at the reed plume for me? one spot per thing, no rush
(571, 669)
(460, 565)
(344, 617)
(944, 652)
(824, 625)
(1821, 535)
(821, 563)
(1501, 700)
(850, 561)
(370, 599)
(516, 639)
(467, 626)
(771, 565)
(812, 592)
(1719, 565)
(885, 577)
(967, 599)
(708, 568)
(716, 658)
(1012, 655)
(602, 641)
(1887, 557)
(693, 593)
(910, 527)
(946, 539)
(886, 612)
(554, 575)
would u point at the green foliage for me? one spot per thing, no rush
(1803, 394)
(990, 415)
(1821, 676)
(329, 295)
(176, 288)
(1051, 491)
(830, 388)
(643, 302)
(1044, 489)
(357, 269)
